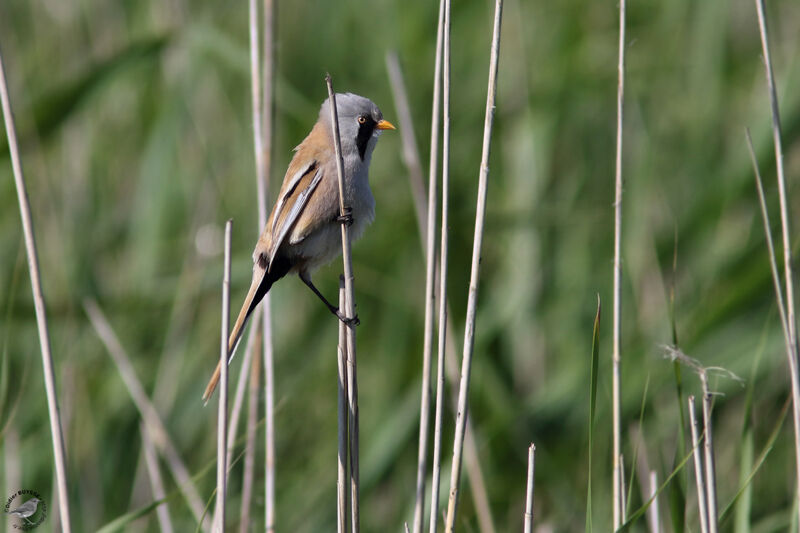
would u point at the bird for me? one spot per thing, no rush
(26, 510)
(303, 231)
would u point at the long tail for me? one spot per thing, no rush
(263, 278)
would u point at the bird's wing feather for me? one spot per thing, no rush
(292, 210)
(288, 189)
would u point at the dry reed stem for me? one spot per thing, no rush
(341, 410)
(412, 161)
(528, 525)
(791, 347)
(156, 483)
(238, 400)
(471, 460)
(472, 301)
(59, 452)
(250, 446)
(155, 427)
(653, 518)
(702, 508)
(350, 303)
(241, 387)
(711, 479)
(623, 495)
(773, 264)
(261, 97)
(616, 357)
(442, 63)
(222, 418)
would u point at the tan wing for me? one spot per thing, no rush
(303, 177)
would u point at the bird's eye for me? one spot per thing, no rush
(362, 119)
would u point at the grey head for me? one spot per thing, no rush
(360, 123)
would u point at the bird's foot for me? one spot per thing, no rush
(350, 322)
(347, 217)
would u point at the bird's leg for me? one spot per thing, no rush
(346, 218)
(354, 321)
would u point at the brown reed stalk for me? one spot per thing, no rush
(702, 508)
(350, 304)
(472, 301)
(148, 412)
(528, 524)
(222, 418)
(619, 510)
(791, 345)
(59, 453)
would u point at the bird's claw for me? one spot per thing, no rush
(350, 322)
(347, 217)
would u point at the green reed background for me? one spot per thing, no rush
(135, 123)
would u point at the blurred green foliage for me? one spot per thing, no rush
(135, 125)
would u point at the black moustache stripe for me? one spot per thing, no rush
(364, 133)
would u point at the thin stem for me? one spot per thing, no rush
(250, 446)
(261, 98)
(412, 161)
(528, 526)
(472, 301)
(616, 415)
(711, 480)
(350, 305)
(653, 517)
(241, 388)
(773, 264)
(791, 348)
(341, 470)
(442, 57)
(623, 504)
(222, 419)
(147, 410)
(702, 508)
(156, 483)
(59, 453)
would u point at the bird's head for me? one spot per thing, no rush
(360, 123)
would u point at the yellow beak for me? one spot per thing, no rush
(384, 125)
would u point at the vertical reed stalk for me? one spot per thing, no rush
(702, 508)
(623, 503)
(222, 419)
(341, 389)
(441, 84)
(250, 446)
(350, 304)
(791, 347)
(616, 357)
(59, 453)
(653, 517)
(261, 98)
(471, 461)
(267, 103)
(528, 526)
(711, 480)
(472, 301)
(412, 160)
